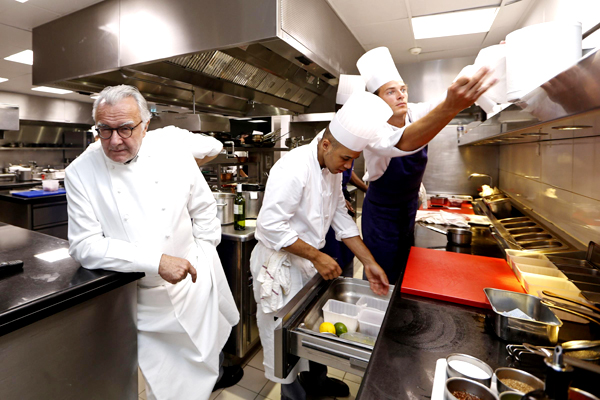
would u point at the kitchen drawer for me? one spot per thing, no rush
(59, 231)
(299, 336)
(49, 214)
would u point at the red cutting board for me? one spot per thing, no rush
(455, 277)
(465, 208)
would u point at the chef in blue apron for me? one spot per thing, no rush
(334, 248)
(396, 164)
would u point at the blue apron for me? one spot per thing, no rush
(338, 250)
(389, 210)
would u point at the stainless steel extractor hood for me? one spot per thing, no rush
(191, 122)
(232, 57)
(9, 118)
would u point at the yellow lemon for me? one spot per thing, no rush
(327, 327)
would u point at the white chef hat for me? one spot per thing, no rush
(348, 85)
(359, 120)
(377, 68)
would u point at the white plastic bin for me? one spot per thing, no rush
(511, 254)
(372, 302)
(369, 321)
(536, 262)
(535, 283)
(522, 270)
(337, 311)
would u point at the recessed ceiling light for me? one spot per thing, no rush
(257, 121)
(571, 127)
(454, 23)
(24, 57)
(22, 1)
(241, 118)
(3, 79)
(51, 90)
(94, 96)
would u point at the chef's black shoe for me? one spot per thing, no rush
(231, 376)
(329, 387)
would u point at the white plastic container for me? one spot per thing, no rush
(369, 321)
(374, 303)
(50, 185)
(338, 311)
(523, 270)
(534, 283)
(524, 258)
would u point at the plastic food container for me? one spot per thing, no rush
(338, 311)
(523, 270)
(534, 283)
(50, 185)
(369, 321)
(372, 302)
(510, 254)
(536, 262)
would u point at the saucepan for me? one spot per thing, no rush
(458, 236)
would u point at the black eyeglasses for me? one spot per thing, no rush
(124, 131)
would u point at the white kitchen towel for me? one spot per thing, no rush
(442, 218)
(274, 279)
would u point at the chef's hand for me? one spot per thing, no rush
(464, 91)
(349, 206)
(327, 266)
(377, 279)
(175, 269)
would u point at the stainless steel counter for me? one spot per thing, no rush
(229, 233)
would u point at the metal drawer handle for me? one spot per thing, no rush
(357, 362)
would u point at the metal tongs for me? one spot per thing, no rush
(517, 350)
(575, 362)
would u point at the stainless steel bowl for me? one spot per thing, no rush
(517, 375)
(469, 386)
(510, 396)
(460, 236)
(456, 373)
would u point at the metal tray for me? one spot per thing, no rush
(545, 328)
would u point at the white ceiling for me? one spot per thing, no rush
(387, 23)
(374, 23)
(16, 22)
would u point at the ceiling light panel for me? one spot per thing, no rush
(3, 80)
(22, 1)
(24, 57)
(454, 24)
(51, 90)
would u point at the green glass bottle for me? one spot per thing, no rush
(239, 210)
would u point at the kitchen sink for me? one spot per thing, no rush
(532, 236)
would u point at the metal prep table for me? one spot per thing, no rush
(234, 250)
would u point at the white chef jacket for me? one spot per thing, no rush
(379, 154)
(123, 218)
(301, 201)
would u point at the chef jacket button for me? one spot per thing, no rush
(168, 235)
(164, 208)
(113, 167)
(155, 181)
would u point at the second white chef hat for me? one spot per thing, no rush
(377, 68)
(348, 84)
(358, 122)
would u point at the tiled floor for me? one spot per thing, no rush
(254, 385)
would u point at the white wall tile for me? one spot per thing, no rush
(584, 181)
(584, 223)
(557, 164)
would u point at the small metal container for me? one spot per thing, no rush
(545, 328)
(469, 386)
(517, 375)
(465, 358)
(510, 396)
(460, 236)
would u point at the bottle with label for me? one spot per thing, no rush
(239, 210)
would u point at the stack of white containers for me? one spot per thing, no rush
(536, 274)
(365, 316)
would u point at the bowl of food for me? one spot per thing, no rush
(510, 396)
(466, 389)
(466, 366)
(516, 380)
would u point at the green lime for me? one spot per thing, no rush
(340, 328)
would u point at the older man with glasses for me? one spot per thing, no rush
(129, 212)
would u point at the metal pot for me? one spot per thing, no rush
(253, 194)
(224, 207)
(24, 175)
(457, 236)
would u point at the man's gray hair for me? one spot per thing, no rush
(111, 95)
